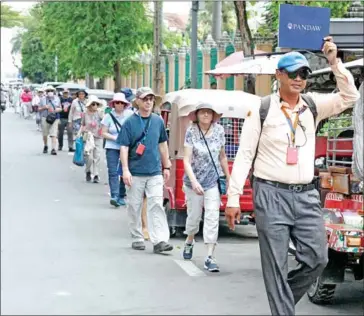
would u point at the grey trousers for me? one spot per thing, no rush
(63, 124)
(282, 215)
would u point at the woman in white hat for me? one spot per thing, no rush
(204, 161)
(91, 122)
(111, 125)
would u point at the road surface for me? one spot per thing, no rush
(64, 250)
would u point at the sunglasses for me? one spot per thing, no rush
(149, 98)
(94, 104)
(119, 102)
(303, 73)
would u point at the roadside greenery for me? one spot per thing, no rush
(9, 17)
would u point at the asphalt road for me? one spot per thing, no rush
(64, 250)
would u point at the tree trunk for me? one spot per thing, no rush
(242, 19)
(91, 83)
(101, 83)
(117, 77)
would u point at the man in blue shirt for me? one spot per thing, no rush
(143, 154)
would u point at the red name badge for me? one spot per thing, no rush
(292, 155)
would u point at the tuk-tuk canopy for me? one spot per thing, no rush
(234, 104)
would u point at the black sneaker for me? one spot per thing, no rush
(88, 176)
(96, 179)
(138, 245)
(53, 152)
(71, 150)
(60, 148)
(162, 246)
(45, 149)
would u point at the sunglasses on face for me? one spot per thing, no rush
(148, 98)
(119, 102)
(303, 73)
(94, 104)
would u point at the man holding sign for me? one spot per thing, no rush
(278, 141)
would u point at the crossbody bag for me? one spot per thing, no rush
(51, 117)
(221, 180)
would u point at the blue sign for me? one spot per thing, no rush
(20, 76)
(302, 27)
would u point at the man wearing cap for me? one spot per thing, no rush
(287, 205)
(144, 158)
(48, 104)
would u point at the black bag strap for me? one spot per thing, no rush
(116, 122)
(54, 108)
(203, 136)
(81, 105)
(145, 131)
(311, 105)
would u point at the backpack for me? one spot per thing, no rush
(263, 112)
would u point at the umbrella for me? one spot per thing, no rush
(236, 58)
(264, 65)
(72, 86)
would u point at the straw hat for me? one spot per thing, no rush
(50, 88)
(193, 115)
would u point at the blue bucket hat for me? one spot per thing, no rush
(129, 95)
(293, 61)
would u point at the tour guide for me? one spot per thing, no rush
(287, 206)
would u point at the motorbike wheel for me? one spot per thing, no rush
(321, 294)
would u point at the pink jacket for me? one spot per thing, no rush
(26, 97)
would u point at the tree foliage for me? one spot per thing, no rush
(9, 17)
(37, 64)
(270, 27)
(93, 37)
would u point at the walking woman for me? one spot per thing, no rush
(111, 125)
(92, 134)
(204, 161)
(77, 111)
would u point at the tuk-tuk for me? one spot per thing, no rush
(341, 193)
(175, 108)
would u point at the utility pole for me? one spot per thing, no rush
(158, 25)
(194, 23)
(216, 20)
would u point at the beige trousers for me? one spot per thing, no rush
(93, 159)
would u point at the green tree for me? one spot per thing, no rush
(98, 38)
(270, 27)
(37, 63)
(9, 17)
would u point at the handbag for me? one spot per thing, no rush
(51, 117)
(221, 181)
(78, 157)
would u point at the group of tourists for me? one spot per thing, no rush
(136, 147)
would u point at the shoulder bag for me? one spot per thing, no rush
(51, 117)
(221, 181)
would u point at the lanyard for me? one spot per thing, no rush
(145, 126)
(292, 126)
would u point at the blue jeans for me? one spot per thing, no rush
(117, 186)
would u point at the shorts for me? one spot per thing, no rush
(48, 129)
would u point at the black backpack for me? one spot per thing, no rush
(263, 112)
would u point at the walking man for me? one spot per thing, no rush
(287, 205)
(144, 155)
(66, 101)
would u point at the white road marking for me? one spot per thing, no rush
(190, 268)
(63, 293)
(70, 154)
(56, 200)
